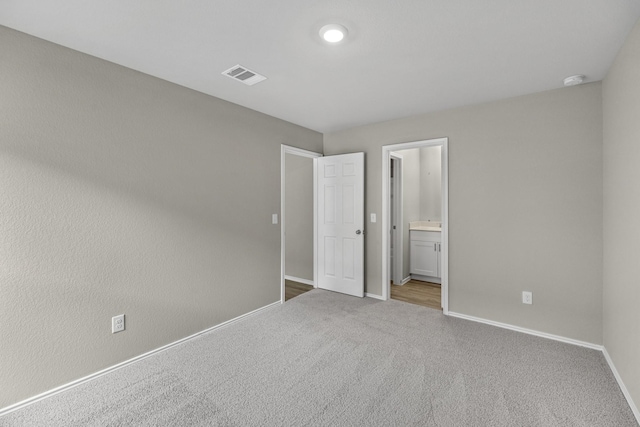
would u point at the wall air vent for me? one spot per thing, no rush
(244, 75)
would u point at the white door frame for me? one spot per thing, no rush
(398, 262)
(386, 156)
(284, 150)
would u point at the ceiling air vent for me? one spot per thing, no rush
(244, 75)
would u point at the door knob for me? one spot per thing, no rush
(358, 232)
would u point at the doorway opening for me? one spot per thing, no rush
(297, 222)
(415, 239)
(396, 250)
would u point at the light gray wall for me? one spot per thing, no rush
(431, 183)
(621, 106)
(122, 193)
(299, 216)
(525, 208)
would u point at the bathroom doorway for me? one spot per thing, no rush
(416, 223)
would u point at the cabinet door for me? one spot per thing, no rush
(424, 258)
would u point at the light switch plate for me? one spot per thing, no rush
(274, 219)
(373, 217)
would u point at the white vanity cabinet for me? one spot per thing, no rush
(425, 253)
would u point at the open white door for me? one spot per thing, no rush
(340, 226)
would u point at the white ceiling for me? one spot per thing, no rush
(401, 58)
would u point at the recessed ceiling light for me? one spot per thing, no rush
(574, 80)
(333, 33)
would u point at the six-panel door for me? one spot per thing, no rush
(340, 226)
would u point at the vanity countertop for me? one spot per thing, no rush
(425, 226)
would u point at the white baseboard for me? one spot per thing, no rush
(368, 295)
(65, 387)
(601, 348)
(68, 386)
(528, 331)
(429, 279)
(625, 392)
(405, 281)
(299, 280)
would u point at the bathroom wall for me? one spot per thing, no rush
(430, 183)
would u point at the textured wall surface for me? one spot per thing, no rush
(525, 207)
(122, 193)
(299, 217)
(621, 106)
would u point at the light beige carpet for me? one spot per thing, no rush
(325, 359)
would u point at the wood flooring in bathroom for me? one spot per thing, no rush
(417, 292)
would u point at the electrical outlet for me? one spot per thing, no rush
(117, 324)
(527, 297)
